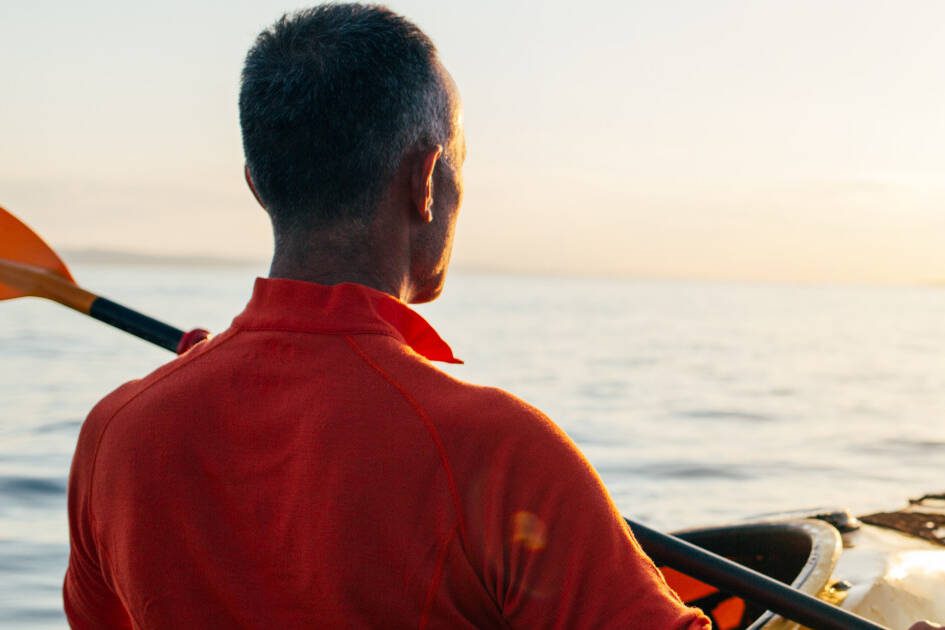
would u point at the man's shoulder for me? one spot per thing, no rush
(493, 405)
(485, 413)
(113, 403)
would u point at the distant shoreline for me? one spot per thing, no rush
(118, 257)
(124, 258)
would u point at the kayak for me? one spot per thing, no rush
(887, 567)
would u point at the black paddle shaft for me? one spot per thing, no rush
(758, 588)
(136, 323)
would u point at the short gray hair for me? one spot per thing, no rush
(332, 98)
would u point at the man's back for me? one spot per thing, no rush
(310, 467)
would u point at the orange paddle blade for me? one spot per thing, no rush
(20, 244)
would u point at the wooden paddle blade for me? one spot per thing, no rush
(17, 279)
(20, 244)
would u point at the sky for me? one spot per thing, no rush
(785, 141)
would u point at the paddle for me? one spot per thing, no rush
(29, 267)
(751, 585)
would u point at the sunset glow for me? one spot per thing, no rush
(764, 141)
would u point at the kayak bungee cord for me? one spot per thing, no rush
(29, 267)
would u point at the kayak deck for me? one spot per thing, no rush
(923, 518)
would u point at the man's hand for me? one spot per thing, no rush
(925, 625)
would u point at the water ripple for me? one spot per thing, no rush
(903, 446)
(726, 414)
(56, 427)
(678, 470)
(31, 487)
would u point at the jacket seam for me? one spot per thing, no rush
(430, 428)
(221, 339)
(437, 577)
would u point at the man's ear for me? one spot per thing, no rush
(422, 183)
(252, 186)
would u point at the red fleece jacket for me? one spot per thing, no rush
(310, 467)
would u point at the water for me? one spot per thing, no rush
(698, 403)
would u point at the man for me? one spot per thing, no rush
(310, 467)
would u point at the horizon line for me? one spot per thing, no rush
(117, 257)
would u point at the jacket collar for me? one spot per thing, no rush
(348, 308)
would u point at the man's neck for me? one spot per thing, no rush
(312, 273)
(326, 258)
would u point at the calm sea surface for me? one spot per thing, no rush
(697, 403)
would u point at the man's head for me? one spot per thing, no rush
(346, 113)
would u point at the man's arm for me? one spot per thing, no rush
(89, 600)
(556, 552)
